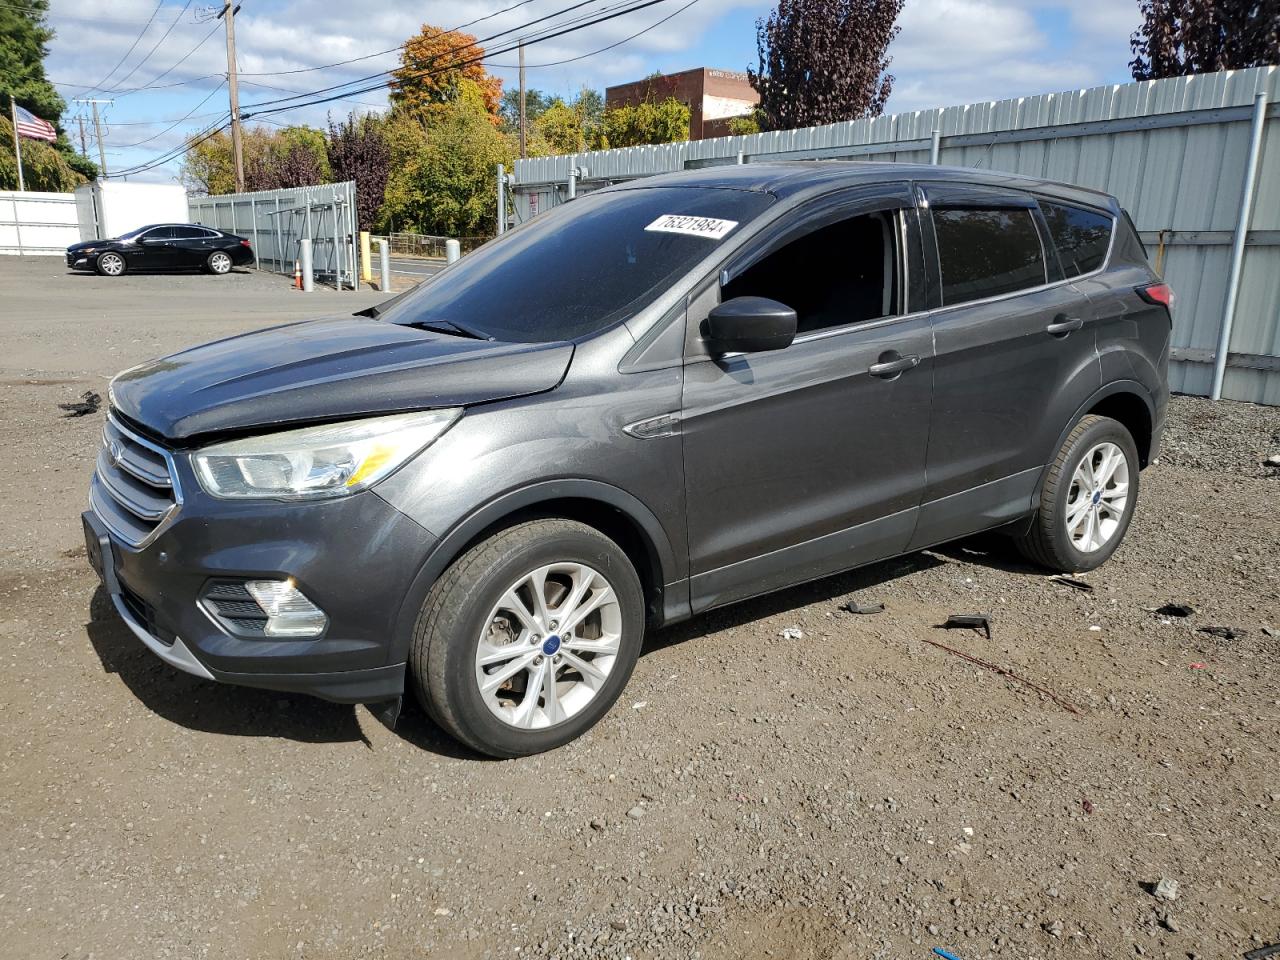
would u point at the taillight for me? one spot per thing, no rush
(244, 243)
(1160, 294)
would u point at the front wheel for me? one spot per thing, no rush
(218, 263)
(527, 640)
(1087, 499)
(110, 264)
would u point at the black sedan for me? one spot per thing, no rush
(162, 246)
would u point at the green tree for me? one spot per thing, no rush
(288, 157)
(560, 127)
(535, 103)
(664, 122)
(44, 167)
(442, 178)
(24, 43)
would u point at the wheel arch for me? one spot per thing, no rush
(609, 509)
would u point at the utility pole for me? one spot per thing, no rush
(97, 132)
(84, 148)
(233, 88)
(523, 143)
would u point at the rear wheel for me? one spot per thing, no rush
(527, 640)
(1087, 500)
(218, 263)
(110, 264)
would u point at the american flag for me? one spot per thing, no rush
(32, 127)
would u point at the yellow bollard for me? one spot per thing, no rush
(366, 271)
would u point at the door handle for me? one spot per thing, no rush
(1063, 325)
(891, 368)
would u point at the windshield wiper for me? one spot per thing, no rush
(451, 326)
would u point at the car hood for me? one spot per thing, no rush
(86, 244)
(327, 369)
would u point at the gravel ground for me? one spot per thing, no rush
(851, 793)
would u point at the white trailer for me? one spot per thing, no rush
(109, 208)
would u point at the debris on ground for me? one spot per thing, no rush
(863, 608)
(1223, 633)
(792, 633)
(976, 661)
(971, 621)
(1073, 583)
(1087, 805)
(1176, 610)
(1270, 950)
(1166, 889)
(945, 954)
(88, 403)
(1270, 632)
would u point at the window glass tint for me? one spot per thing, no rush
(159, 233)
(842, 273)
(985, 253)
(583, 266)
(188, 233)
(1081, 237)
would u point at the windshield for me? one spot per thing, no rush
(581, 267)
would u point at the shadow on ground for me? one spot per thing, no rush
(211, 707)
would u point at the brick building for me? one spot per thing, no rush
(713, 97)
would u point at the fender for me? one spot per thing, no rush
(1110, 389)
(673, 585)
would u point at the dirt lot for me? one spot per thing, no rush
(855, 793)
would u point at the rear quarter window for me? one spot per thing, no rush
(1081, 237)
(987, 252)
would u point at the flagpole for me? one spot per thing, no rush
(17, 141)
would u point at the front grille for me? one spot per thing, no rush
(135, 490)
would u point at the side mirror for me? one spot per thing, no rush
(749, 325)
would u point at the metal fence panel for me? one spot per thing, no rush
(1173, 151)
(276, 221)
(33, 222)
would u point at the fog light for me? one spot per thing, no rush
(289, 613)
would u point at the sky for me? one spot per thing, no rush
(948, 52)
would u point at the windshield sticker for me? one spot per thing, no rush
(708, 227)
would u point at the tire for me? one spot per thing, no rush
(110, 264)
(218, 263)
(471, 604)
(1099, 519)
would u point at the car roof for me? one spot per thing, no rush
(789, 178)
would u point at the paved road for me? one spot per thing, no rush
(416, 268)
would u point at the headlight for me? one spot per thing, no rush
(328, 461)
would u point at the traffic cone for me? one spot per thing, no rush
(297, 275)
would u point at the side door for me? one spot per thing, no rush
(1015, 347)
(191, 245)
(155, 249)
(809, 460)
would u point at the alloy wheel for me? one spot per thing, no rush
(112, 264)
(549, 645)
(1098, 496)
(220, 263)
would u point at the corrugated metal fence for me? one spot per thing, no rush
(1173, 151)
(275, 221)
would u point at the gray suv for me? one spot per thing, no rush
(658, 399)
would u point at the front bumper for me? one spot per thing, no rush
(79, 261)
(355, 557)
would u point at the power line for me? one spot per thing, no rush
(584, 56)
(214, 129)
(548, 33)
(128, 146)
(123, 80)
(102, 83)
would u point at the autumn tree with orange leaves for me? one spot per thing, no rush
(433, 67)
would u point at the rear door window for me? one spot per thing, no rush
(1082, 237)
(987, 252)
